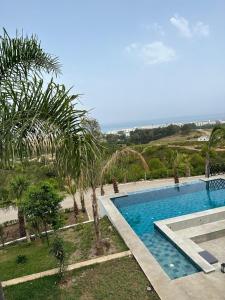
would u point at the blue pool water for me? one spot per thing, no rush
(142, 209)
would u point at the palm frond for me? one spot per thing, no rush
(23, 55)
(123, 153)
(35, 120)
(217, 135)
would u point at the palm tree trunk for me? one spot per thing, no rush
(207, 165)
(46, 232)
(115, 185)
(27, 230)
(75, 208)
(21, 222)
(99, 246)
(187, 171)
(82, 202)
(102, 190)
(1, 292)
(175, 175)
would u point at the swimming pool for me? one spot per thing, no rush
(142, 209)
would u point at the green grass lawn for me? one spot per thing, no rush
(79, 242)
(120, 279)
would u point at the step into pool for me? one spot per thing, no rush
(142, 209)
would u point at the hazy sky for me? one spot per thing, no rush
(132, 59)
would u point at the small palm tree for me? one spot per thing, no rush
(180, 161)
(18, 187)
(120, 155)
(187, 165)
(217, 134)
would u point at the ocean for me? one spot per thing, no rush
(141, 123)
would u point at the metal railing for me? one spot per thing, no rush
(217, 169)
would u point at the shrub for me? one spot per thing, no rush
(21, 259)
(198, 164)
(159, 173)
(155, 163)
(42, 205)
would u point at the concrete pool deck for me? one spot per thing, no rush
(197, 286)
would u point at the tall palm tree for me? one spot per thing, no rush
(19, 58)
(217, 134)
(82, 187)
(36, 118)
(93, 177)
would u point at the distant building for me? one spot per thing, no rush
(203, 138)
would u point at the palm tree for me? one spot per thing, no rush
(19, 58)
(71, 189)
(217, 134)
(187, 165)
(180, 160)
(92, 175)
(120, 155)
(36, 118)
(18, 186)
(1, 292)
(82, 187)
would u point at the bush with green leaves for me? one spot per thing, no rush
(42, 205)
(158, 173)
(21, 259)
(155, 163)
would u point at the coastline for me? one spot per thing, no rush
(131, 126)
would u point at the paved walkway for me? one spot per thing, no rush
(11, 214)
(69, 268)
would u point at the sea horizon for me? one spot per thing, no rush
(160, 121)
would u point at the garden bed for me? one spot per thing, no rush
(79, 243)
(12, 230)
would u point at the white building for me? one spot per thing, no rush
(203, 138)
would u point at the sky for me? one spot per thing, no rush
(132, 60)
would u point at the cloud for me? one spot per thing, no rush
(131, 47)
(155, 27)
(182, 25)
(201, 29)
(152, 53)
(158, 28)
(186, 30)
